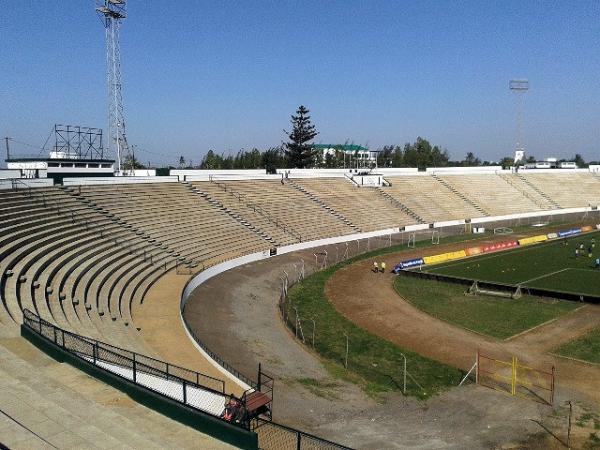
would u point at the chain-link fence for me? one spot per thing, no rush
(273, 436)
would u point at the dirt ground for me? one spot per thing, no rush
(236, 315)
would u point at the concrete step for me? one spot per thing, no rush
(68, 409)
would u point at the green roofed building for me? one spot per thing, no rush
(359, 152)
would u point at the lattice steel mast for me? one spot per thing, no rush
(519, 87)
(112, 13)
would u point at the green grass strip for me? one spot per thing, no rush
(497, 317)
(373, 362)
(586, 348)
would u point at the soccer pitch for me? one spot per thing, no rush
(552, 266)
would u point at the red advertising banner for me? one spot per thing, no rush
(499, 246)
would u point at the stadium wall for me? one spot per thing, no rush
(464, 170)
(205, 175)
(10, 173)
(117, 180)
(24, 183)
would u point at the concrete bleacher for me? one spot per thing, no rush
(305, 218)
(222, 198)
(363, 206)
(186, 225)
(47, 404)
(566, 189)
(429, 199)
(46, 239)
(493, 192)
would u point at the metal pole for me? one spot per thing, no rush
(552, 387)
(134, 369)
(346, 359)
(313, 331)
(6, 139)
(477, 369)
(296, 324)
(404, 375)
(569, 429)
(259, 376)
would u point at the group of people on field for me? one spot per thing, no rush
(377, 268)
(580, 250)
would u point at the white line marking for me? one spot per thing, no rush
(545, 275)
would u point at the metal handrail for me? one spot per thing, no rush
(121, 352)
(257, 209)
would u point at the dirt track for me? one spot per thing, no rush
(369, 300)
(235, 314)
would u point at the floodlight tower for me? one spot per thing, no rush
(112, 13)
(520, 88)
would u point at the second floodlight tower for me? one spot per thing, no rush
(112, 13)
(519, 87)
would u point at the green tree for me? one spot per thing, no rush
(131, 162)
(471, 160)
(579, 160)
(422, 155)
(211, 161)
(507, 162)
(298, 150)
(272, 159)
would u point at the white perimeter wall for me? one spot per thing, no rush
(10, 173)
(24, 183)
(205, 175)
(117, 180)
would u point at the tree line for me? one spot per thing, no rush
(299, 152)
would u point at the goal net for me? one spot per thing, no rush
(475, 290)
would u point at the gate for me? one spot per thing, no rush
(515, 378)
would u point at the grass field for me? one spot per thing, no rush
(587, 347)
(492, 316)
(373, 362)
(551, 265)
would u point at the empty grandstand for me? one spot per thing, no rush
(84, 256)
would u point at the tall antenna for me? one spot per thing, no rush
(519, 87)
(112, 13)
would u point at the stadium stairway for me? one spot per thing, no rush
(248, 212)
(529, 191)
(264, 234)
(322, 204)
(539, 191)
(398, 204)
(461, 195)
(47, 404)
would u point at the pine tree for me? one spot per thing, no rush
(299, 152)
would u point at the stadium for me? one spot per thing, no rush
(309, 295)
(178, 314)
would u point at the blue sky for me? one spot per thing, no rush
(227, 75)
